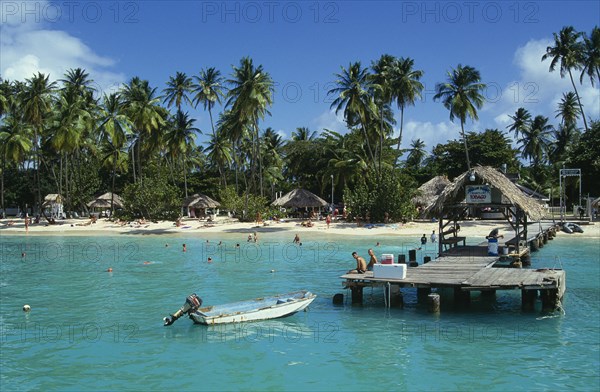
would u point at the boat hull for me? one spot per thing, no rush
(253, 310)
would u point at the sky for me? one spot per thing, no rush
(302, 45)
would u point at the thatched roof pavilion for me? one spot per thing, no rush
(428, 192)
(299, 198)
(200, 200)
(454, 194)
(104, 201)
(52, 198)
(596, 202)
(483, 187)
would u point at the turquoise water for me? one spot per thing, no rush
(91, 329)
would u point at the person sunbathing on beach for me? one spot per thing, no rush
(178, 222)
(361, 264)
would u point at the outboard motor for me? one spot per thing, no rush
(192, 303)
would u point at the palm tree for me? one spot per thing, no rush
(180, 140)
(536, 141)
(568, 110)
(567, 51)
(15, 145)
(354, 96)
(521, 121)
(208, 90)
(272, 145)
(177, 90)
(590, 63)
(220, 154)
(114, 129)
(462, 95)
(303, 133)
(416, 154)
(36, 102)
(5, 92)
(142, 107)
(382, 91)
(563, 139)
(249, 98)
(406, 87)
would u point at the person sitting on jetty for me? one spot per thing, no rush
(372, 261)
(494, 234)
(361, 264)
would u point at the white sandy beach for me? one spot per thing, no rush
(471, 228)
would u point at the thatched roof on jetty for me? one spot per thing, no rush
(299, 198)
(428, 192)
(200, 200)
(454, 194)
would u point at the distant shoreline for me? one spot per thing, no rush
(470, 228)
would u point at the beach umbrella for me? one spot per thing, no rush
(299, 198)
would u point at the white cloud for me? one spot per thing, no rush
(432, 134)
(330, 120)
(27, 47)
(539, 90)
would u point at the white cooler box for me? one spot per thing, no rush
(391, 271)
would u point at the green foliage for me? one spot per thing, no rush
(248, 203)
(489, 148)
(392, 194)
(84, 185)
(584, 155)
(154, 198)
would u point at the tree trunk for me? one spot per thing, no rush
(3, 213)
(462, 130)
(259, 161)
(139, 160)
(579, 101)
(400, 135)
(185, 178)
(133, 163)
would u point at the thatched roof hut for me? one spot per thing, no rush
(300, 198)
(104, 201)
(454, 194)
(428, 192)
(596, 202)
(52, 198)
(199, 200)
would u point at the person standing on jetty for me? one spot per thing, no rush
(433, 237)
(423, 240)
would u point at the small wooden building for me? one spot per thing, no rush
(53, 205)
(195, 206)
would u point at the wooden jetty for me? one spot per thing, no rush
(468, 268)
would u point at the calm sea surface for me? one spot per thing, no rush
(95, 330)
